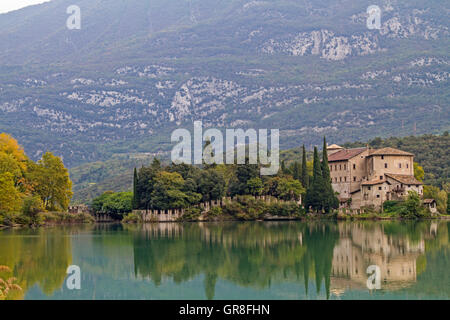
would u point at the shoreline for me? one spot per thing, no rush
(311, 217)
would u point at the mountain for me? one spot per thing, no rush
(137, 70)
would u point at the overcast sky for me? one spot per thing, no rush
(10, 5)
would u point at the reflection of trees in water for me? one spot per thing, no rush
(36, 258)
(248, 254)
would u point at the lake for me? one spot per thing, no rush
(233, 260)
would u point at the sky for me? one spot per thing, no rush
(10, 5)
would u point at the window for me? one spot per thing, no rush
(407, 166)
(345, 167)
(378, 195)
(340, 167)
(369, 187)
(331, 168)
(335, 179)
(382, 157)
(385, 165)
(381, 177)
(345, 179)
(354, 179)
(354, 166)
(340, 179)
(335, 167)
(380, 188)
(400, 165)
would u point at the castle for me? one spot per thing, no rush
(366, 177)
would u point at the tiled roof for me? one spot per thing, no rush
(388, 152)
(345, 154)
(373, 182)
(403, 178)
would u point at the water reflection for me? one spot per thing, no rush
(288, 260)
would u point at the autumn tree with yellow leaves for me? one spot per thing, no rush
(26, 185)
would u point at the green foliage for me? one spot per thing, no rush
(136, 198)
(413, 206)
(330, 200)
(285, 188)
(168, 192)
(255, 186)
(10, 197)
(215, 212)
(114, 204)
(51, 182)
(65, 218)
(132, 218)
(432, 192)
(305, 175)
(244, 173)
(249, 208)
(316, 191)
(191, 214)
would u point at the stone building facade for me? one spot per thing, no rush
(366, 177)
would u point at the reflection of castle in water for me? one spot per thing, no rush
(360, 247)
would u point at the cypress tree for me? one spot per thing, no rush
(315, 195)
(330, 200)
(136, 200)
(283, 167)
(305, 177)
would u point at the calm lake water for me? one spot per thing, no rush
(239, 260)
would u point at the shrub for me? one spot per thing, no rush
(191, 214)
(391, 205)
(64, 217)
(32, 205)
(132, 218)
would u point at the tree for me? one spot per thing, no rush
(10, 146)
(10, 198)
(211, 185)
(419, 173)
(244, 172)
(168, 192)
(10, 164)
(32, 205)
(136, 200)
(97, 203)
(296, 170)
(316, 191)
(440, 196)
(283, 167)
(413, 205)
(330, 199)
(117, 204)
(255, 186)
(146, 182)
(305, 176)
(51, 182)
(289, 189)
